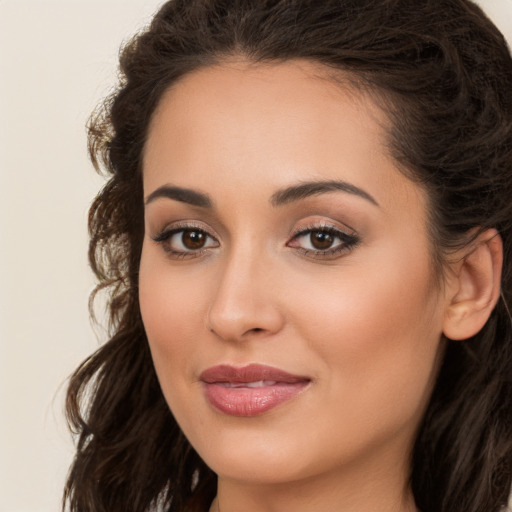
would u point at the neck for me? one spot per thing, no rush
(377, 492)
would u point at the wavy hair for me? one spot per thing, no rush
(444, 75)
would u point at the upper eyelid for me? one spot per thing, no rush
(164, 237)
(336, 232)
(326, 226)
(166, 233)
(184, 226)
(318, 225)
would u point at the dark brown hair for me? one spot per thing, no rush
(446, 75)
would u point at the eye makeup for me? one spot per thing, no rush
(316, 240)
(185, 240)
(323, 241)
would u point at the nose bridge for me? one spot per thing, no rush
(244, 302)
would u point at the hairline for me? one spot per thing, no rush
(359, 86)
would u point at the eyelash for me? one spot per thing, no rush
(165, 236)
(347, 241)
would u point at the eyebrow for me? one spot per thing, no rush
(183, 195)
(313, 188)
(281, 197)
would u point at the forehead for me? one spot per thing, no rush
(245, 93)
(259, 127)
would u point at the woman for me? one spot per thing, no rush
(306, 241)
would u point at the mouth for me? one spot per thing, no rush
(250, 390)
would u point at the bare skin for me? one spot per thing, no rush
(335, 285)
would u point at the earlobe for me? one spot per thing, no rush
(476, 287)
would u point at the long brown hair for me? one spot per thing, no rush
(445, 75)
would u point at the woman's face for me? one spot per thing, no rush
(286, 284)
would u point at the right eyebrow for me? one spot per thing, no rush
(312, 188)
(183, 195)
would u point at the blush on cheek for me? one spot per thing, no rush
(376, 325)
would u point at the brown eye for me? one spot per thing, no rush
(186, 242)
(321, 240)
(193, 240)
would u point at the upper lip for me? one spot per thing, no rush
(249, 373)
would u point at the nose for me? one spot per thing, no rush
(246, 301)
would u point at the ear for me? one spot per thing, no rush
(474, 286)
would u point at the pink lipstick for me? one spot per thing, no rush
(250, 390)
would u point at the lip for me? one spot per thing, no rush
(250, 390)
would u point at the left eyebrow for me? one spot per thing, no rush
(313, 188)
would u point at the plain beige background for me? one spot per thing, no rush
(57, 59)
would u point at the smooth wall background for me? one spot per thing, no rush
(58, 58)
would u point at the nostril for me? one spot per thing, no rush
(254, 330)
(242, 319)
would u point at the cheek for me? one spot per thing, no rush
(170, 305)
(367, 329)
(377, 332)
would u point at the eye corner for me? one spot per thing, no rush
(331, 242)
(177, 245)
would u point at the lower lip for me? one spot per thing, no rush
(247, 402)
